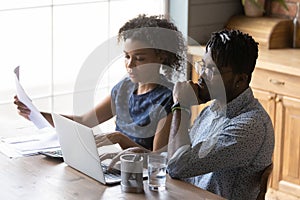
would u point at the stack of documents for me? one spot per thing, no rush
(42, 137)
(30, 144)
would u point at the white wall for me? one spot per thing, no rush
(199, 18)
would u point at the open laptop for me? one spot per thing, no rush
(79, 150)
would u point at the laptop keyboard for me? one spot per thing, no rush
(112, 173)
(54, 154)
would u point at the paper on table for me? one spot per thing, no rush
(35, 116)
(43, 139)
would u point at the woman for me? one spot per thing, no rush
(142, 101)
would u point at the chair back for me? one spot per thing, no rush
(264, 182)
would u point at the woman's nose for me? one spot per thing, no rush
(130, 63)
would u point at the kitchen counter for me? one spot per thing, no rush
(280, 60)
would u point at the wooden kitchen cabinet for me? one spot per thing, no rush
(276, 84)
(287, 175)
(284, 111)
(267, 99)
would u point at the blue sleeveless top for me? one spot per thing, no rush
(137, 116)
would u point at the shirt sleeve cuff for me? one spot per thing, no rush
(181, 150)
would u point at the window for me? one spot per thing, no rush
(52, 40)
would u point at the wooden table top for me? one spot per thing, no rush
(39, 177)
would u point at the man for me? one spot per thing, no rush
(231, 141)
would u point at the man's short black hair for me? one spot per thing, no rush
(232, 48)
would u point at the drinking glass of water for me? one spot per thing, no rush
(157, 165)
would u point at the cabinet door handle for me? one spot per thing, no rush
(270, 97)
(276, 82)
(278, 99)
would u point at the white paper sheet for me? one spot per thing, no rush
(35, 116)
(45, 139)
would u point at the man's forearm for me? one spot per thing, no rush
(179, 131)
